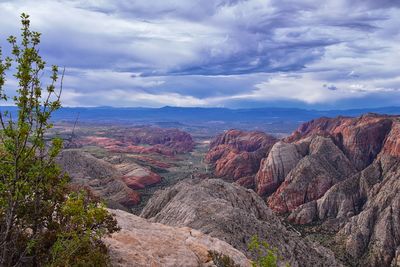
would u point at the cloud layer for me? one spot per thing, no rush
(235, 53)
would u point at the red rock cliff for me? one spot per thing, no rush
(236, 155)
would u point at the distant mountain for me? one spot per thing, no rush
(180, 114)
(267, 119)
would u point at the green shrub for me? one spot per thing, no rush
(83, 223)
(266, 256)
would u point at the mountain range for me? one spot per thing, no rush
(202, 115)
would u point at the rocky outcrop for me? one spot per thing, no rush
(234, 164)
(141, 178)
(143, 243)
(391, 146)
(344, 200)
(282, 158)
(320, 154)
(362, 204)
(177, 140)
(340, 173)
(243, 141)
(324, 166)
(99, 176)
(234, 214)
(374, 234)
(141, 140)
(236, 155)
(112, 182)
(361, 139)
(136, 176)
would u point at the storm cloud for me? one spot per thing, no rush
(235, 53)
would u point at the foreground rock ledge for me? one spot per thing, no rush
(233, 214)
(142, 243)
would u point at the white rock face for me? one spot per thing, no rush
(142, 243)
(282, 158)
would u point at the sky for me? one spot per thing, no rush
(218, 53)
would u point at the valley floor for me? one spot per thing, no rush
(187, 166)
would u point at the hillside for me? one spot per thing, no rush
(338, 176)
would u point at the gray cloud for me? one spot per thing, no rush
(217, 52)
(330, 87)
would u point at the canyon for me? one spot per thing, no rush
(338, 176)
(117, 164)
(326, 194)
(235, 155)
(233, 214)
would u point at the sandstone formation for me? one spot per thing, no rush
(243, 141)
(282, 158)
(236, 155)
(134, 175)
(348, 178)
(141, 140)
(392, 143)
(323, 166)
(234, 214)
(343, 200)
(100, 176)
(113, 182)
(141, 243)
(361, 139)
(339, 173)
(374, 234)
(137, 177)
(175, 139)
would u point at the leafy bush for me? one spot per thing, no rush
(38, 212)
(83, 223)
(266, 256)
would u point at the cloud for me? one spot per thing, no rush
(224, 52)
(330, 87)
